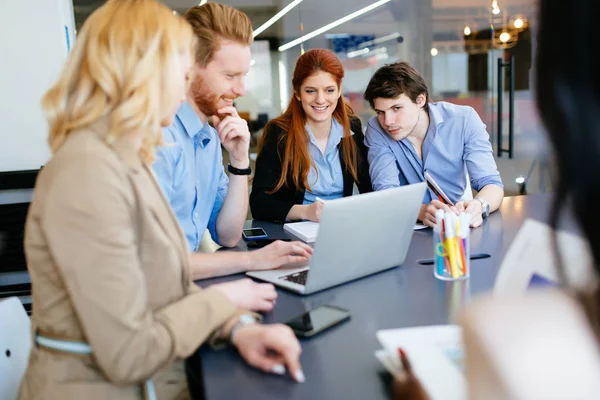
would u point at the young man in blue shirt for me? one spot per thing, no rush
(411, 135)
(190, 168)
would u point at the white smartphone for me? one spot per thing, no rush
(254, 233)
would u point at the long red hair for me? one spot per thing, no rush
(296, 160)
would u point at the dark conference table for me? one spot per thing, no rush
(340, 363)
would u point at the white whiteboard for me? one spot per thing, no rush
(34, 40)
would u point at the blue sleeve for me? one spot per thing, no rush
(383, 167)
(219, 200)
(478, 154)
(168, 166)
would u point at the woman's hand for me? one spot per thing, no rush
(314, 211)
(407, 386)
(270, 348)
(245, 293)
(280, 253)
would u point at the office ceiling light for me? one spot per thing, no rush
(276, 17)
(332, 25)
(467, 30)
(504, 37)
(518, 23)
(357, 53)
(434, 51)
(379, 40)
(367, 51)
(495, 8)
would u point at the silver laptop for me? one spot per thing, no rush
(358, 236)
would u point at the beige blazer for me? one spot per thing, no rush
(109, 265)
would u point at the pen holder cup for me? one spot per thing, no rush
(451, 258)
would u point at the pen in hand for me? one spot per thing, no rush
(406, 385)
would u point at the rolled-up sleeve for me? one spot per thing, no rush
(478, 154)
(383, 167)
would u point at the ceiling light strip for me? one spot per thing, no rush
(379, 40)
(332, 25)
(276, 17)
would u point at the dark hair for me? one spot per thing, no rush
(391, 80)
(568, 98)
(296, 161)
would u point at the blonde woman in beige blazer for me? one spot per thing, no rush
(114, 309)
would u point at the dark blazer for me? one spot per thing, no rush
(275, 207)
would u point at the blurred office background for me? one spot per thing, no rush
(474, 52)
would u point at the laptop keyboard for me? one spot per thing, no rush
(297, 277)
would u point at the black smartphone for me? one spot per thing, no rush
(257, 244)
(254, 233)
(317, 320)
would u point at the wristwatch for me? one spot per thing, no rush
(485, 207)
(245, 319)
(237, 171)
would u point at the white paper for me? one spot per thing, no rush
(436, 355)
(532, 252)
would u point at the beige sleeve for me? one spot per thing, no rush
(89, 228)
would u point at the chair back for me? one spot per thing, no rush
(15, 345)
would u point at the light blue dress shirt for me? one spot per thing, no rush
(329, 183)
(190, 172)
(456, 142)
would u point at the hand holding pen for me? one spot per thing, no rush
(427, 214)
(407, 386)
(313, 211)
(473, 208)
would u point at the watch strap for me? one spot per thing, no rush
(243, 320)
(485, 207)
(237, 171)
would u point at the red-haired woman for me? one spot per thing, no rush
(314, 151)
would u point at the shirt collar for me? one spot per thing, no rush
(193, 125)
(335, 135)
(435, 116)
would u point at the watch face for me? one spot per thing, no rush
(486, 209)
(246, 319)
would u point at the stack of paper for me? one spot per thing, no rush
(305, 230)
(435, 353)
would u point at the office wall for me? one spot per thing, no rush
(34, 40)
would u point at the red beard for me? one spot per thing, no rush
(206, 100)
